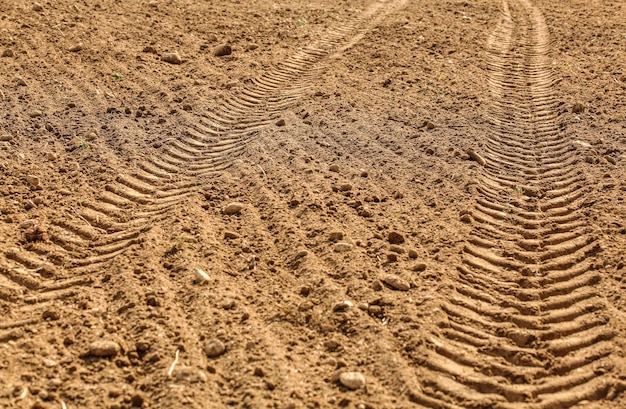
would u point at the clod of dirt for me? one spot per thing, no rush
(37, 7)
(34, 182)
(342, 247)
(150, 49)
(36, 233)
(396, 249)
(36, 113)
(136, 401)
(395, 238)
(8, 53)
(578, 108)
(76, 47)
(280, 122)
(334, 168)
(352, 380)
(222, 50)
(5, 137)
(476, 157)
(186, 107)
(232, 208)
(335, 236)
(172, 58)
(104, 349)
(214, 348)
(230, 235)
(396, 283)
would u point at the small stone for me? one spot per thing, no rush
(466, 218)
(395, 238)
(76, 47)
(252, 47)
(51, 315)
(578, 108)
(34, 182)
(37, 7)
(365, 211)
(232, 208)
(36, 113)
(211, 38)
(476, 157)
(396, 283)
(104, 349)
(222, 50)
(91, 136)
(392, 257)
(396, 249)
(5, 137)
(51, 156)
(419, 267)
(352, 380)
(172, 58)
(363, 173)
(214, 348)
(334, 168)
(230, 235)
(202, 277)
(280, 122)
(377, 285)
(7, 52)
(305, 291)
(345, 187)
(412, 253)
(150, 49)
(186, 107)
(335, 236)
(20, 81)
(259, 372)
(430, 125)
(228, 304)
(342, 306)
(231, 84)
(301, 254)
(342, 247)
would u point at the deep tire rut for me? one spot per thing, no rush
(525, 326)
(86, 237)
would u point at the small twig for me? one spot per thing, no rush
(63, 405)
(23, 394)
(2, 93)
(264, 174)
(169, 373)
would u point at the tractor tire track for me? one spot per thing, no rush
(525, 326)
(86, 237)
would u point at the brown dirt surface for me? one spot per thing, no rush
(313, 204)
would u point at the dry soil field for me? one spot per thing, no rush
(313, 204)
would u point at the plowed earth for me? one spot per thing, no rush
(431, 194)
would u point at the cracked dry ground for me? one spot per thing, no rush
(432, 195)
